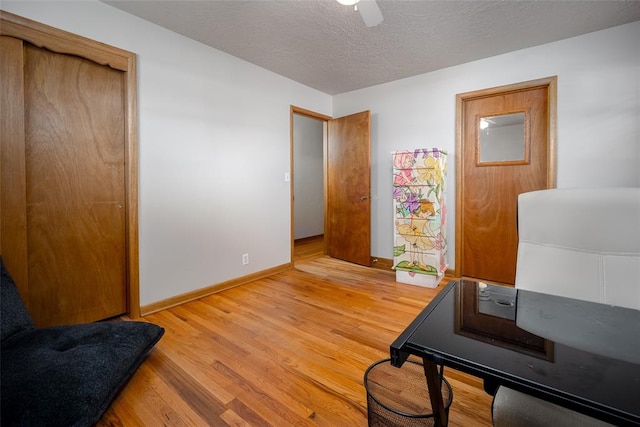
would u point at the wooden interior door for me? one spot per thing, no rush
(348, 204)
(487, 191)
(68, 174)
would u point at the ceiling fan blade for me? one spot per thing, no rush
(370, 12)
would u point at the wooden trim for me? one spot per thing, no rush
(210, 290)
(60, 41)
(131, 188)
(64, 42)
(527, 142)
(291, 177)
(515, 87)
(309, 113)
(325, 181)
(552, 164)
(551, 84)
(459, 185)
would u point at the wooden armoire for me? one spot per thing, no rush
(68, 173)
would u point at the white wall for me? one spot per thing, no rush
(214, 145)
(308, 186)
(598, 115)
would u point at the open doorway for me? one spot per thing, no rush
(346, 184)
(308, 186)
(308, 145)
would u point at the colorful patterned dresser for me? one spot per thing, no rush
(420, 244)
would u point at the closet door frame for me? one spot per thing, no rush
(63, 42)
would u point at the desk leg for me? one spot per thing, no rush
(434, 383)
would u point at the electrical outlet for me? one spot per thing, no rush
(245, 259)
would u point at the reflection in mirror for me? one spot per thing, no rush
(498, 301)
(502, 138)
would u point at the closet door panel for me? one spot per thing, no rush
(75, 195)
(13, 219)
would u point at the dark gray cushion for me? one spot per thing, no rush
(14, 316)
(64, 375)
(68, 375)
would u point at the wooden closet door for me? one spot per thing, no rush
(68, 173)
(74, 158)
(74, 139)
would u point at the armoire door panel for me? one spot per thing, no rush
(74, 138)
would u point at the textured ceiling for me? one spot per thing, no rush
(325, 45)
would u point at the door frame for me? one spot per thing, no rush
(293, 110)
(63, 42)
(551, 83)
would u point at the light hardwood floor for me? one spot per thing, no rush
(290, 349)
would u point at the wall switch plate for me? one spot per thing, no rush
(245, 259)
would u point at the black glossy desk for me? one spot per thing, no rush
(581, 355)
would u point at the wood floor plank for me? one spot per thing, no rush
(186, 388)
(290, 349)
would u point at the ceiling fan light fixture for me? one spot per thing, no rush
(368, 9)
